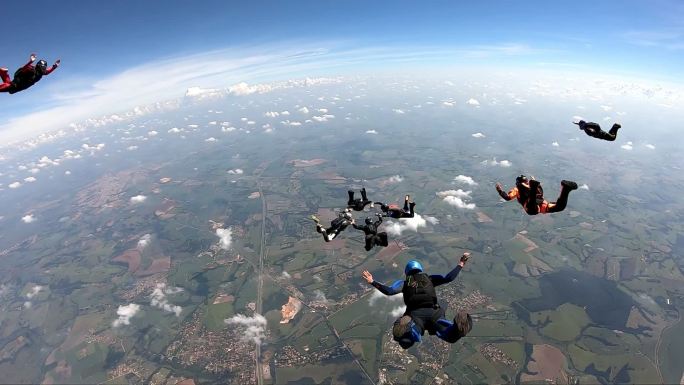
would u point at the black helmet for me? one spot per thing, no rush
(369, 220)
(41, 67)
(520, 180)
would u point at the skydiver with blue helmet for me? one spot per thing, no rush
(423, 312)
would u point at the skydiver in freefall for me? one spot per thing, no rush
(373, 238)
(394, 211)
(423, 312)
(358, 204)
(25, 76)
(530, 195)
(337, 225)
(594, 130)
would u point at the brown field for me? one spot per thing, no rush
(547, 363)
(307, 163)
(158, 265)
(131, 257)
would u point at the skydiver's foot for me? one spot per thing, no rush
(617, 126)
(463, 322)
(3, 69)
(315, 219)
(569, 184)
(401, 327)
(407, 197)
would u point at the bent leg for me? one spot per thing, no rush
(364, 197)
(411, 206)
(6, 81)
(454, 331)
(370, 242)
(562, 201)
(406, 332)
(350, 202)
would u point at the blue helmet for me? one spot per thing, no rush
(413, 266)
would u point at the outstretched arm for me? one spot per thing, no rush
(54, 67)
(511, 194)
(441, 280)
(32, 58)
(384, 289)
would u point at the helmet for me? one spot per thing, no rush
(520, 180)
(369, 220)
(41, 67)
(413, 266)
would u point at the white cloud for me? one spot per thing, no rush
(650, 146)
(85, 146)
(152, 133)
(577, 118)
(628, 146)
(131, 148)
(406, 224)
(448, 104)
(289, 123)
(395, 179)
(174, 130)
(285, 113)
(144, 241)
(398, 311)
(30, 179)
(158, 298)
(225, 237)
(323, 110)
(211, 139)
(272, 114)
(228, 129)
(377, 297)
(398, 111)
(34, 291)
(494, 162)
(319, 295)
(584, 187)
(606, 108)
(372, 132)
(457, 198)
(243, 88)
(473, 102)
(199, 92)
(125, 314)
(237, 171)
(465, 179)
(555, 144)
(478, 135)
(255, 326)
(67, 172)
(286, 275)
(28, 218)
(304, 110)
(138, 199)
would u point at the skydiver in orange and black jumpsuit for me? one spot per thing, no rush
(530, 195)
(594, 130)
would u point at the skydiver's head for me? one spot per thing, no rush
(369, 220)
(41, 67)
(520, 180)
(413, 267)
(347, 213)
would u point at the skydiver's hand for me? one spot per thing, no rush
(499, 187)
(367, 276)
(464, 259)
(57, 62)
(32, 58)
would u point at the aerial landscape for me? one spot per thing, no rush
(170, 241)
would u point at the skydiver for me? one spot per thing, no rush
(394, 211)
(358, 204)
(25, 76)
(373, 238)
(423, 312)
(594, 130)
(530, 195)
(337, 225)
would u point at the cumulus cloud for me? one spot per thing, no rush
(395, 179)
(289, 123)
(67, 172)
(478, 135)
(272, 114)
(28, 218)
(125, 314)
(30, 179)
(237, 171)
(398, 111)
(255, 326)
(285, 113)
(448, 104)
(319, 296)
(243, 88)
(555, 144)
(650, 146)
(158, 298)
(323, 110)
(211, 139)
(628, 146)
(174, 130)
(144, 241)
(304, 110)
(473, 102)
(131, 148)
(377, 298)
(407, 224)
(152, 133)
(398, 311)
(465, 179)
(34, 291)
(584, 187)
(138, 199)
(371, 132)
(494, 162)
(14, 185)
(606, 108)
(225, 237)
(457, 198)
(286, 275)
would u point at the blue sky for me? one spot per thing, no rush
(103, 39)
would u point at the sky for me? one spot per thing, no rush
(125, 52)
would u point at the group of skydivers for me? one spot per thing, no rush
(423, 311)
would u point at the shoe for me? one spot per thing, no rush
(401, 326)
(617, 126)
(463, 322)
(3, 69)
(315, 219)
(569, 184)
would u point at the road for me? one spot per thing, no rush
(260, 277)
